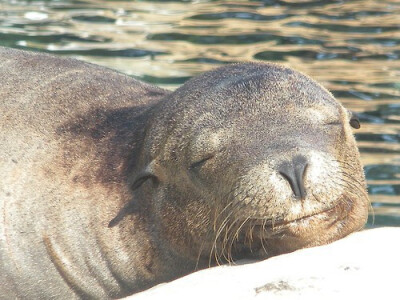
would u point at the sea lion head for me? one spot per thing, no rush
(251, 160)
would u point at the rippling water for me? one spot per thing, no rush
(352, 47)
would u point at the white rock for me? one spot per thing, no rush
(364, 265)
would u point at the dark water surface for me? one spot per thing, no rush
(352, 47)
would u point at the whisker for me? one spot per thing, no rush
(262, 238)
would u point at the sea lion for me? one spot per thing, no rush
(110, 185)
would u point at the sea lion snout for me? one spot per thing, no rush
(289, 185)
(293, 171)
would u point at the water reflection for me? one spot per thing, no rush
(352, 47)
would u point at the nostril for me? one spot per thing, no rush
(300, 170)
(294, 172)
(288, 174)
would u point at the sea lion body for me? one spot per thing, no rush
(63, 126)
(205, 174)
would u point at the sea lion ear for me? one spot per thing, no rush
(354, 121)
(131, 206)
(143, 176)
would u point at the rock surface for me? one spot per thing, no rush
(364, 265)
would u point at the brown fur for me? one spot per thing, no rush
(191, 174)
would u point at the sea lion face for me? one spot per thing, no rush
(252, 161)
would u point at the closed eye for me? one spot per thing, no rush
(196, 165)
(334, 123)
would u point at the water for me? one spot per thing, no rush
(352, 47)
